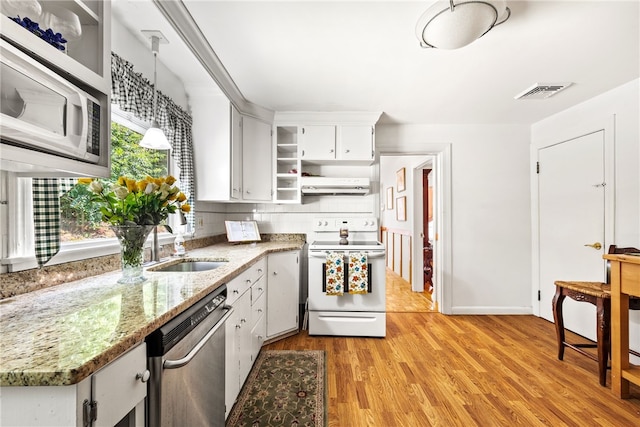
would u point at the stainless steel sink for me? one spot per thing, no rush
(187, 266)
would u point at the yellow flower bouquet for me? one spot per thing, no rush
(148, 201)
(133, 208)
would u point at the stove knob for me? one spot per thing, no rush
(326, 223)
(319, 223)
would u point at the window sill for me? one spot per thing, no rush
(70, 252)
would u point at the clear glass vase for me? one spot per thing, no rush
(132, 239)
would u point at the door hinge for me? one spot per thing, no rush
(89, 412)
(373, 131)
(303, 131)
(539, 295)
(537, 167)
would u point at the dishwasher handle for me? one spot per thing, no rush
(174, 364)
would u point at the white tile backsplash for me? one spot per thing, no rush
(284, 218)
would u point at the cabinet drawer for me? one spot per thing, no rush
(257, 289)
(258, 269)
(258, 309)
(118, 389)
(238, 286)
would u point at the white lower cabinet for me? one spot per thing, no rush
(283, 290)
(265, 303)
(112, 394)
(239, 341)
(237, 334)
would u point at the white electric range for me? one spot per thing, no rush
(347, 313)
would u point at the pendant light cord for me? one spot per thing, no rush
(155, 44)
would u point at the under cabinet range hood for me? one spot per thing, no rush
(321, 185)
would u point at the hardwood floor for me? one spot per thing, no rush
(437, 370)
(401, 299)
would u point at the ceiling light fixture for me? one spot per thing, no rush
(154, 137)
(452, 24)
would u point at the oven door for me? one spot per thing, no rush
(373, 301)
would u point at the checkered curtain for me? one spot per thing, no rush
(133, 93)
(46, 218)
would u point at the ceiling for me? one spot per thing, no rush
(364, 56)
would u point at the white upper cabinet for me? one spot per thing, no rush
(87, 54)
(232, 152)
(340, 138)
(212, 147)
(256, 160)
(236, 155)
(318, 142)
(355, 142)
(340, 142)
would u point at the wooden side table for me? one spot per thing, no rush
(625, 281)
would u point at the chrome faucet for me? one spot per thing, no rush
(155, 247)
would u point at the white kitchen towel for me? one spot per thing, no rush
(334, 274)
(358, 273)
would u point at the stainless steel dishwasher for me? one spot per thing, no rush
(186, 362)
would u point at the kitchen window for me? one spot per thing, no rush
(80, 219)
(82, 234)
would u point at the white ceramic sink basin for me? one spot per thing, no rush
(188, 266)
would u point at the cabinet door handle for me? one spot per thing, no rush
(248, 281)
(275, 273)
(235, 291)
(346, 151)
(143, 376)
(302, 155)
(331, 151)
(259, 270)
(259, 310)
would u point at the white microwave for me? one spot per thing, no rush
(43, 111)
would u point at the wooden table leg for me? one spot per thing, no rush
(556, 307)
(619, 334)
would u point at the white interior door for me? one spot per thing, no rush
(571, 215)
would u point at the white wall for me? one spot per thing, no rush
(129, 47)
(490, 268)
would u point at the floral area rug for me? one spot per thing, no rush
(284, 388)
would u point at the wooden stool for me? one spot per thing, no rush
(598, 294)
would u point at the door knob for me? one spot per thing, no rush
(596, 246)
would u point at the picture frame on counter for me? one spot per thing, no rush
(389, 204)
(401, 180)
(401, 209)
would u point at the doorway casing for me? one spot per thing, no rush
(438, 158)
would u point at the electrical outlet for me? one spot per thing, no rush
(199, 222)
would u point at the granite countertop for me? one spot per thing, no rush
(63, 334)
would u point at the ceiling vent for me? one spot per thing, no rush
(542, 90)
